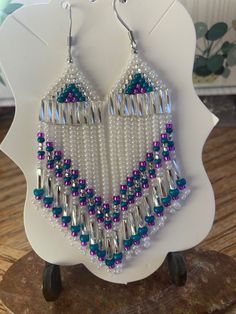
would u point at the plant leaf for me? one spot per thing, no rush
(226, 47)
(12, 7)
(231, 60)
(201, 29)
(234, 24)
(215, 63)
(226, 73)
(217, 31)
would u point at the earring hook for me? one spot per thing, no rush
(130, 32)
(67, 6)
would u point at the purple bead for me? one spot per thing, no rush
(116, 198)
(136, 91)
(112, 266)
(101, 259)
(49, 144)
(106, 206)
(57, 153)
(116, 219)
(144, 236)
(136, 242)
(64, 225)
(138, 194)
(151, 224)
(55, 216)
(75, 194)
(59, 175)
(158, 166)
(82, 181)
(127, 248)
(143, 90)
(136, 172)
(41, 157)
(175, 198)
(38, 198)
(74, 234)
(156, 144)
(98, 198)
(169, 126)
(91, 212)
(124, 208)
(84, 243)
(92, 253)
(130, 179)
(50, 166)
(142, 164)
(167, 158)
(40, 134)
(145, 186)
(138, 86)
(67, 161)
(108, 227)
(164, 136)
(118, 262)
(75, 172)
(182, 187)
(149, 155)
(67, 183)
(131, 201)
(47, 205)
(89, 191)
(123, 187)
(67, 100)
(153, 176)
(70, 95)
(171, 149)
(160, 215)
(83, 203)
(100, 220)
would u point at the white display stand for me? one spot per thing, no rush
(103, 50)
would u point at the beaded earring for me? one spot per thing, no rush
(107, 173)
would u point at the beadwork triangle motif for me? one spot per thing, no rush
(71, 94)
(138, 85)
(107, 171)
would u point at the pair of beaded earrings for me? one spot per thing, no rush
(107, 173)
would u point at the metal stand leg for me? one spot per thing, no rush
(177, 268)
(51, 282)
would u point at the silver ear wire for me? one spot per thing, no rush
(67, 6)
(130, 32)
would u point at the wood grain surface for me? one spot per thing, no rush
(219, 159)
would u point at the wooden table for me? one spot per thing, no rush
(219, 159)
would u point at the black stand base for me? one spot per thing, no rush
(52, 286)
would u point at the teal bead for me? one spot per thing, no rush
(101, 253)
(171, 144)
(57, 158)
(84, 238)
(67, 179)
(169, 130)
(110, 262)
(49, 149)
(59, 170)
(82, 186)
(41, 139)
(75, 229)
(100, 215)
(124, 203)
(174, 193)
(142, 231)
(156, 148)
(57, 211)
(82, 198)
(66, 219)
(48, 200)
(157, 161)
(142, 168)
(50, 161)
(41, 153)
(149, 219)
(38, 192)
(93, 247)
(181, 182)
(149, 89)
(128, 242)
(165, 153)
(158, 209)
(82, 99)
(118, 256)
(138, 189)
(66, 166)
(116, 215)
(136, 237)
(166, 200)
(74, 189)
(164, 140)
(152, 171)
